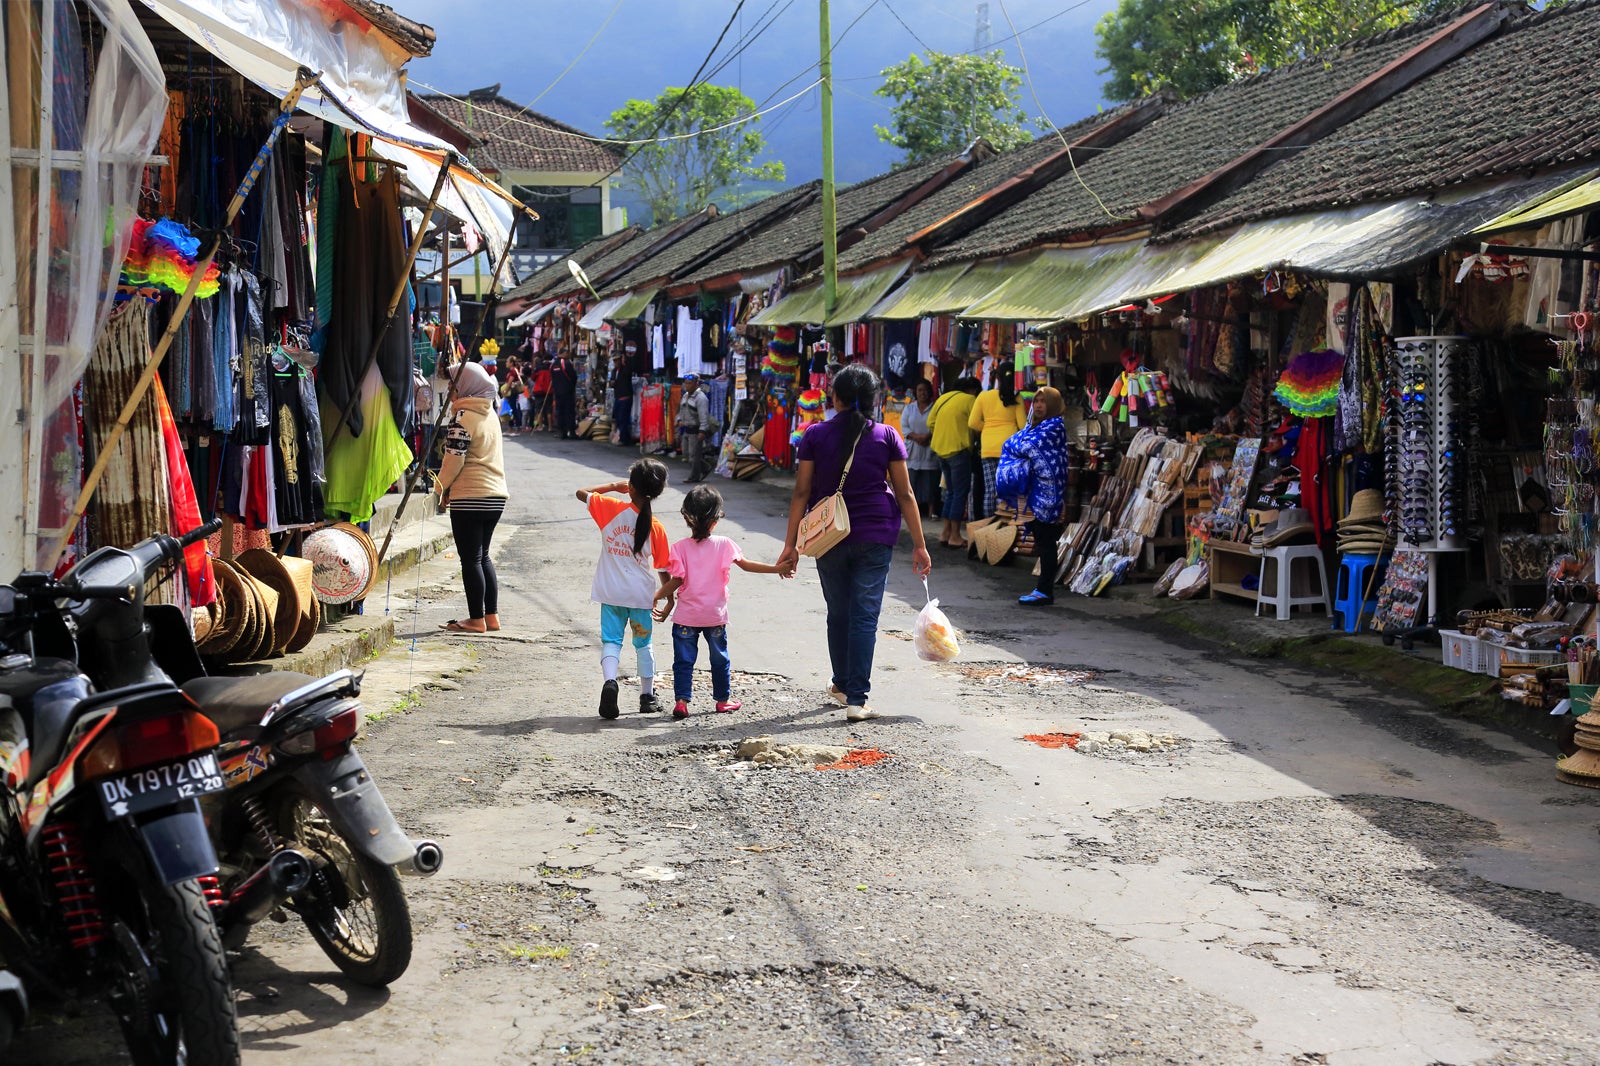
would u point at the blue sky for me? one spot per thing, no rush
(650, 44)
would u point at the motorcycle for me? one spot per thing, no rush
(107, 874)
(302, 826)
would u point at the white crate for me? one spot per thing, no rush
(1497, 655)
(1461, 651)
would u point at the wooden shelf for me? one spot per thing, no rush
(1233, 590)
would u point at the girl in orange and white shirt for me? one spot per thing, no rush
(634, 557)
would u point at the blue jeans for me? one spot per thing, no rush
(957, 471)
(686, 652)
(853, 577)
(622, 419)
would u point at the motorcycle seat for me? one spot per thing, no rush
(239, 703)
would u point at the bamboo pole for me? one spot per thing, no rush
(286, 106)
(444, 408)
(394, 297)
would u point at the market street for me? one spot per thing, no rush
(1315, 872)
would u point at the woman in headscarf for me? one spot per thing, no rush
(472, 484)
(1033, 463)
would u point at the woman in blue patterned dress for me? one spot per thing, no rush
(1034, 464)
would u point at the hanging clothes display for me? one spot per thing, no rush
(690, 345)
(361, 469)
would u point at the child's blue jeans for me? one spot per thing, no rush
(686, 652)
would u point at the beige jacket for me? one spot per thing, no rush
(474, 465)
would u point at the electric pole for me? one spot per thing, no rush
(830, 231)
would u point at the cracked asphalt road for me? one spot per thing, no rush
(1316, 873)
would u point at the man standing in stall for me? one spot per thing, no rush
(694, 426)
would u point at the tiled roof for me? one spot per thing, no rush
(714, 238)
(1515, 102)
(890, 241)
(653, 242)
(799, 237)
(518, 139)
(549, 276)
(1188, 141)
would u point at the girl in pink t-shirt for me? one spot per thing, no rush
(697, 585)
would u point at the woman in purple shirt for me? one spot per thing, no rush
(878, 495)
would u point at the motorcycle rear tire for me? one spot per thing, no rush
(386, 952)
(193, 969)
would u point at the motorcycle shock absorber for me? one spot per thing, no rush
(211, 888)
(68, 867)
(261, 823)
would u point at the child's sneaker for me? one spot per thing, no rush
(681, 709)
(608, 700)
(648, 704)
(728, 706)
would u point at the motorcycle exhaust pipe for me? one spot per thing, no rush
(426, 862)
(286, 872)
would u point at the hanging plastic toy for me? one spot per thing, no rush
(783, 354)
(1137, 388)
(809, 407)
(163, 255)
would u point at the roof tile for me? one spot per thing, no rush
(515, 138)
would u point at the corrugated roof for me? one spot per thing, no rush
(1190, 140)
(799, 237)
(515, 138)
(853, 298)
(1520, 101)
(715, 238)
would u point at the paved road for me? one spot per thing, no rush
(1314, 872)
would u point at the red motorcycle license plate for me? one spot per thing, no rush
(160, 786)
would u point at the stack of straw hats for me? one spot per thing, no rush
(1582, 767)
(1362, 532)
(265, 606)
(343, 560)
(1292, 527)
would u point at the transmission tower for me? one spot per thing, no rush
(980, 36)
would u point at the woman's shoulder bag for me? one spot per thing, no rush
(828, 523)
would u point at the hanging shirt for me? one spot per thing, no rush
(690, 348)
(621, 578)
(658, 348)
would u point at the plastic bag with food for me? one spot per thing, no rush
(933, 635)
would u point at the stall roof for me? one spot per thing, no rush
(922, 294)
(965, 192)
(1515, 103)
(1188, 142)
(1072, 283)
(1580, 194)
(1364, 241)
(854, 297)
(596, 316)
(715, 238)
(798, 238)
(552, 275)
(614, 262)
(359, 86)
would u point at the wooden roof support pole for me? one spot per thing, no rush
(286, 106)
(444, 408)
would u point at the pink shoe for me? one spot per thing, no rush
(680, 709)
(729, 707)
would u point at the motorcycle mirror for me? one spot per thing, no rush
(8, 600)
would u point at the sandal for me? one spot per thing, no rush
(454, 626)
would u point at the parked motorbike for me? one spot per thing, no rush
(107, 874)
(302, 826)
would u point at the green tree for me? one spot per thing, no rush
(700, 148)
(943, 104)
(1190, 46)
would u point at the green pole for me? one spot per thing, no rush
(830, 229)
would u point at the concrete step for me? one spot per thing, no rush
(420, 506)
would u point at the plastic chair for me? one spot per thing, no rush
(1350, 601)
(1277, 589)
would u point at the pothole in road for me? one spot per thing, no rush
(514, 924)
(822, 1013)
(1001, 674)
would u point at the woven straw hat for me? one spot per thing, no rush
(267, 568)
(258, 641)
(1365, 506)
(994, 541)
(301, 573)
(237, 609)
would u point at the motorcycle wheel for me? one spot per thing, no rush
(171, 995)
(355, 908)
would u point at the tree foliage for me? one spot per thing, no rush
(690, 161)
(943, 104)
(1190, 46)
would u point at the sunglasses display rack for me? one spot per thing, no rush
(1428, 464)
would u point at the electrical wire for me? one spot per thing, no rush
(612, 140)
(925, 46)
(836, 42)
(1034, 92)
(585, 51)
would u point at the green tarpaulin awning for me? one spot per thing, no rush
(1577, 195)
(922, 294)
(854, 297)
(632, 306)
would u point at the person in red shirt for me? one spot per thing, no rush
(541, 393)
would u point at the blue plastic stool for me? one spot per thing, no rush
(1347, 603)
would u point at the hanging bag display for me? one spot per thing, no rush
(828, 523)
